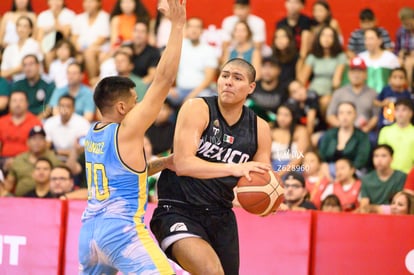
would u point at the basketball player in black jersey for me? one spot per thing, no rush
(217, 140)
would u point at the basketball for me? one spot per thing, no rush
(262, 195)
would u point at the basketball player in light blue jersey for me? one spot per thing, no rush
(113, 236)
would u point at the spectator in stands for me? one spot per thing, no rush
(64, 129)
(159, 30)
(379, 61)
(299, 25)
(124, 64)
(285, 51)
(83, 95)
(5, 90)
(107, 67)
(145, 57)
(90, 35)
(395, 90)
(242, 12)
(19, 178)
(345, 141)
(198, 65)
(41, 178)
(326, 63)
(62, 184)
(161, 133)
(37, 89)
(65, 55)
(331, 204)
(290, 140)
(402, 203)
(409, 183)
(14, 53)
(295, 192)
(8, 26)
(269, 92)
(346, 186)
(400, 136)
(123, 17)
(15, 127)
(242, 46)
(52, 25)
(316, 176)
(308, 106)
(356, 42)
(322, 16)
(3, 190)
(359, 94)
(379, 185)
(404, 43)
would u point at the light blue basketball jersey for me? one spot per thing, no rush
(114, 189)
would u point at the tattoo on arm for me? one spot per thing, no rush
(155, 166)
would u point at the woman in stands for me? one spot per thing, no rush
(285, 51)
(322, 15)
(402, 203)
(326, 62)
(8, 28)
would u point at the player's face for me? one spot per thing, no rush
(382, 159)
(399, 204)
(233, 84)
(398, 80)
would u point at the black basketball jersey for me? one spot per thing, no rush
(219, 142)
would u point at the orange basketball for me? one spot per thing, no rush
(262, 195)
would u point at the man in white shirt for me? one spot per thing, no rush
(241, 12)
(64, 129)
(198, 65)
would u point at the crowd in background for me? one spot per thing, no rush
(341, 112)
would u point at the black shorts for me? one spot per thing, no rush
(218, 227)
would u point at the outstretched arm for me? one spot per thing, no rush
(143, 114)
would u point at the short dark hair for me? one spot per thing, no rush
(110, 89)
(64, 167)
(384, 146)
(67, 42)
(31, 56)
(366, 15)
(346, 103)
(251, 71)
(398, 69)
(129, 57)
(406, 102)
(44, 159)
(331, 200)
(68, 96)
(19, 92)
(76, 64)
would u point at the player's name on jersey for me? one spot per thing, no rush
(94, 147)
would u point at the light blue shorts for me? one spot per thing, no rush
(108, 245)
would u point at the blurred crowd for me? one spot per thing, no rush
(341, 112)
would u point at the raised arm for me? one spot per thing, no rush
(192, 121)
(140, 118)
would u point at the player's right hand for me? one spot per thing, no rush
(243, 169)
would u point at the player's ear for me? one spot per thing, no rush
(121, 107)
(252, 87)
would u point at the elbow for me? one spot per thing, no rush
(181, 169)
